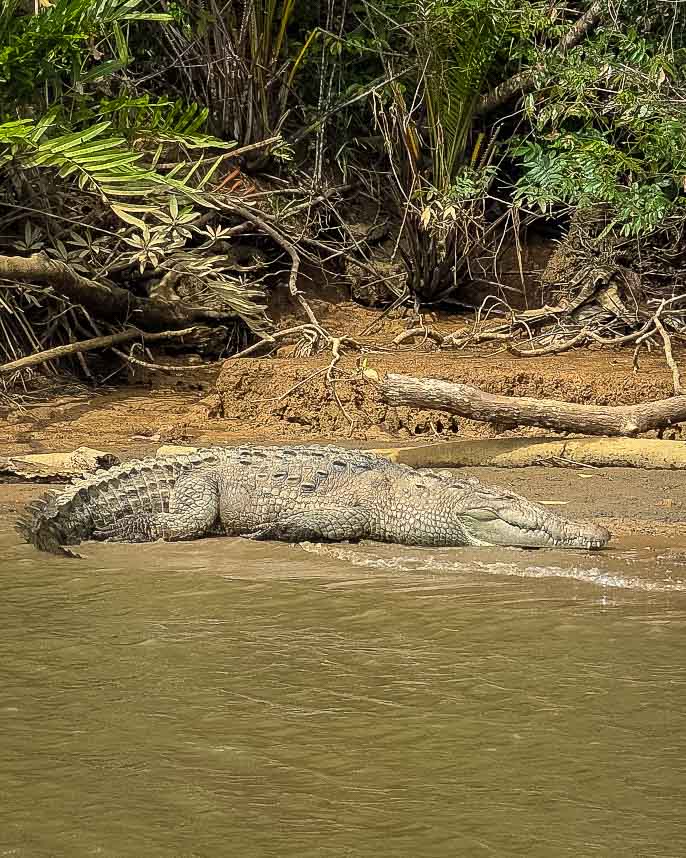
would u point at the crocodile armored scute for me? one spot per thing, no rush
(293, 494)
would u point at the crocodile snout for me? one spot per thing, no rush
(514, 521)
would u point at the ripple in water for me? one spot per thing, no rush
(434, 561)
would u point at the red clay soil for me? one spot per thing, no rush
(289, 398)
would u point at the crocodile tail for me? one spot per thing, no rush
(69, 516)
(41, 525)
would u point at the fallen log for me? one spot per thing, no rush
(475, 404)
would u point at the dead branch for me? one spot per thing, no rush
(553, 348)
(163, 367)
(475, 404)
(283, 242)
(525, 319)
(232, 153)
(107, 302)
(268, 340)
(331, 381)
(87, 346)
(669, 357)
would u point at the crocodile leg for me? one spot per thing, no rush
(324, 524)
(193, 510)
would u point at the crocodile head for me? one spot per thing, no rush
(493, 517)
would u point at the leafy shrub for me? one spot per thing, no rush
(609, 129)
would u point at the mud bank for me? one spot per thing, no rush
(289, 398)
(302, 396)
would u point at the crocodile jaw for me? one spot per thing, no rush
(519, 523)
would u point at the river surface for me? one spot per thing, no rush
(229, 698)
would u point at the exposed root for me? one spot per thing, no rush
(259, 221)
(553, 349)
(160, 367)
(669, 357)
(111, 303)
(415, 333)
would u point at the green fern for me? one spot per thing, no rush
(99, 163)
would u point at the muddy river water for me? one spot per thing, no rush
(229, 698)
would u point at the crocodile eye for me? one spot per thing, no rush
(481, 514)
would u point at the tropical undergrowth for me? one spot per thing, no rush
(191, 155)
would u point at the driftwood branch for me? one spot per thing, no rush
(648, 453)
(476, 404)
(51, 467)
(526, 81)
(87, 346)
(107, 302)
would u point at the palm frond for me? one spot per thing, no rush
(102, 164)
(460, 41)
(160, 120)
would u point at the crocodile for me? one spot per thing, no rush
(294, 494)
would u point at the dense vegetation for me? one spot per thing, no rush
(406, 142)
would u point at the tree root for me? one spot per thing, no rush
(106, 302)
(416, 333)
(669, 357)
(553, 349)
(530, 324)
(282, 241)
